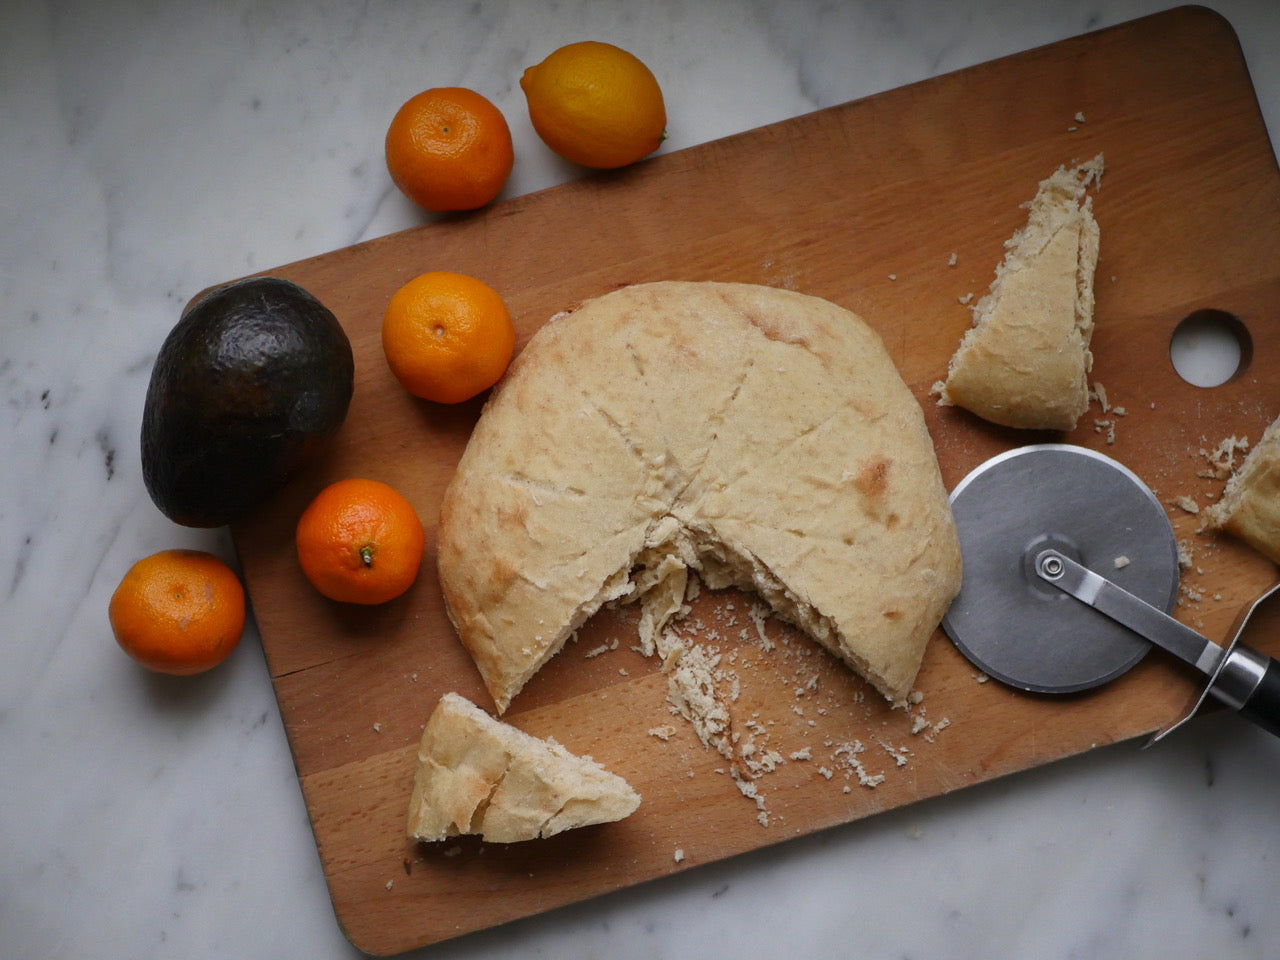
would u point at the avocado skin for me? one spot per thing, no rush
(249, 385)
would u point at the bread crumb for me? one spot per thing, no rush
(1079, 117)
(1121, 562)
(692, 690)
(759, 613)
(965, 299)
(951, 260)
(605, 647)
(1099, 393)
(390, 884)
(1184, 503)
(749, 790)
(1186, 556)
(981, 677)
(664, 733)
(847, 754)
(900, 754)
(1222, 459)
(377, 728)
(678, 855)
(805, 754)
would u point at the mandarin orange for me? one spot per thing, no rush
(178, 611)
(449, 148)
(447, 336)
(360, 541)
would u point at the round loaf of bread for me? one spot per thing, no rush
(760, 437)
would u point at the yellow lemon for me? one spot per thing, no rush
(595, 104)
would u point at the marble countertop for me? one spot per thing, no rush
(151, 149)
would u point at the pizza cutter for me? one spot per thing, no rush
(1070, 572)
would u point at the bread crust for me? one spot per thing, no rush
(757, 436)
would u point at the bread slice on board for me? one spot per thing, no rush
(1250, 504)
(758, 437)
(478, 775)
(1026, 360)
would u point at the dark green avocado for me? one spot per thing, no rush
(253, 380)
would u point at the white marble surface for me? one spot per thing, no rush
(150, 149)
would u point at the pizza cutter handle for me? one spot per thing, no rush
(1240, 677)
(1250, 682)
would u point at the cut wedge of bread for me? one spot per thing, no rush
(753, 436)
(1250, 505)
(1026, 360)
(478, 775)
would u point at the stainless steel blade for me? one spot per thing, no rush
(1013, 625)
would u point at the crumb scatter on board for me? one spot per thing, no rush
(707, 672)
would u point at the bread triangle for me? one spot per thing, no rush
(478, 775)
(1025, 361)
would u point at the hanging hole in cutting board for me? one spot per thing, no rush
(1210, 347)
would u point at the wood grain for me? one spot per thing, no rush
(863, 204)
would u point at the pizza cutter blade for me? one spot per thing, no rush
(1070, 571)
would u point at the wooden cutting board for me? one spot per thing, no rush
(865, 204)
